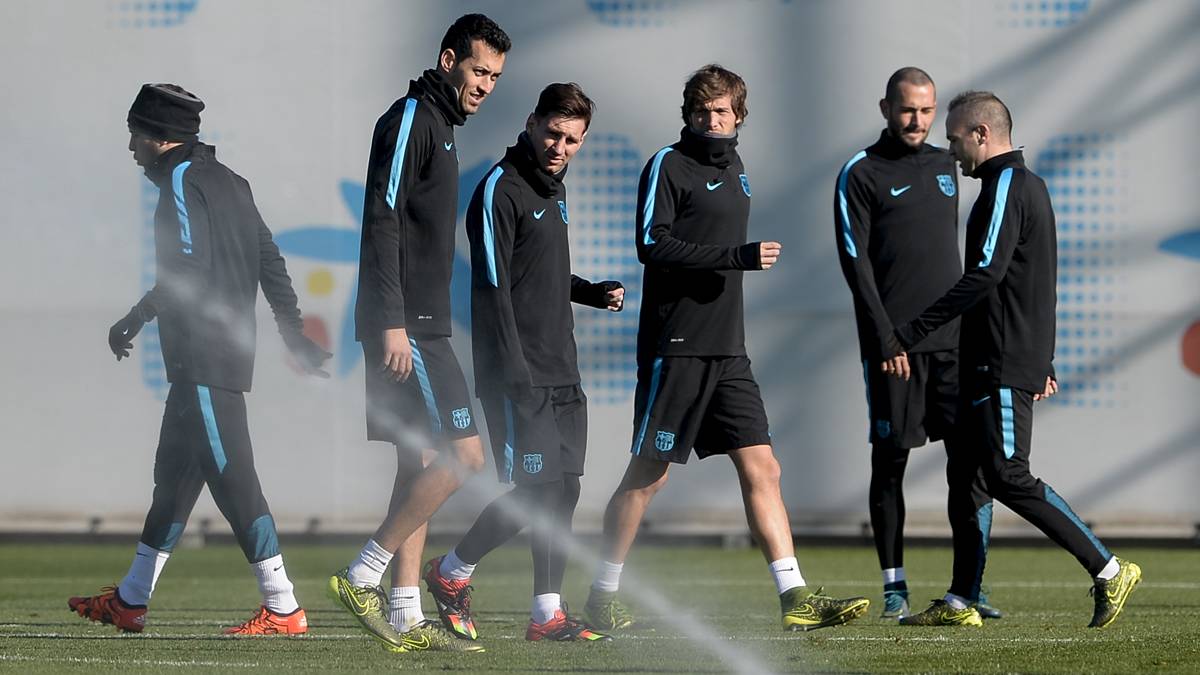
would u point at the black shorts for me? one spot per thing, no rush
(904, 413)
(711, 404)
(430, 407)
(538, 439)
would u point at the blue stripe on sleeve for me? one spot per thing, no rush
(989, 245)
(489, 225)
(847, 233)
(651, 188)
(185, 225)
(410, 108)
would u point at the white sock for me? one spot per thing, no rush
(1110, 570)
(275, 586)
(956, 601)
(786, 572)
(368, 568)
(608, 576)
(545, 606)
(893, 574)
(139, 581)
(453, 567)
(405, 605)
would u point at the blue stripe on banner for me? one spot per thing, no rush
(435, 422)
(185, 225)
(510, 440)
(651, 188)
(984, 517)
(264, 538)
(867, 386)
(489, 225)
(1008, 429)
(637, 446)
(847, 234)
(1061, 504)
(210, 425)
(410, 108)
(989, 245)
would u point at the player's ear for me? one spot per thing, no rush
(447, 60)
(883, 107)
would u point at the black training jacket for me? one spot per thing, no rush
(895, 214)
(521, 282)
(212, 252)
(1007, 294)
(407, 251)
(693, 210)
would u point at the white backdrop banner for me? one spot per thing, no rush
(1105, 96)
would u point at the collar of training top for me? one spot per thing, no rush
(162, 167)
(890, 147)
(998, 163)
(435, 87)
(718, 152)
(521, 156)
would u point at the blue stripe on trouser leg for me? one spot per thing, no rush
(210, 425)
(1061, 504)
(435, 422)
(510, 440)
(984, 517)
(657, 372)
(262, 539)
(867, 385)
(1007, 425)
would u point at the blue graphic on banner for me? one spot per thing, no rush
(1041, 13)
(1186, 245)
(153, 13)
(1081, 173)
(631, 13)
(603, 196)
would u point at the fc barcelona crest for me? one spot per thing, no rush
(883, 428)
(946, 183)
(533, 462)
(664, 441)
(562, 211)
(461, 418)
(745, 183)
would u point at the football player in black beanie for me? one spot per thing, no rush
(417, 397)
(212, 253)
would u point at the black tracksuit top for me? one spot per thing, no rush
(693, 211)
(522, 327)
(212, 252)
(1007, 295)
(407, 250)
(895, 213)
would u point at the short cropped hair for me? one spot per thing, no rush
(470, 27)
(712, 82)
(984, 107)
(565, 100)
(907, 75)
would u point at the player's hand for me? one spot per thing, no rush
(120, 336)
(307, 353)
(768, 254)
(898, 366)
(397, 354)
(614, 295)
(1050, 390)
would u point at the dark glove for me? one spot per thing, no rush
(120, 336)
(308, 354)
(603, 288)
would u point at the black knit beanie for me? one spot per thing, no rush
(166, 112)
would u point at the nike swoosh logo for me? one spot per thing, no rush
(897, 193)
(278, 568)
(447, 146)
(981, 400)
(537, 215)
(418, 645)
(713, 186)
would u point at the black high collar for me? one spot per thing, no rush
(160, 171)
(521, 156)
(718, 152)
(999, 163)
(890, 147)
(435, 87)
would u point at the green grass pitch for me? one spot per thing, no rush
(729, 594)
